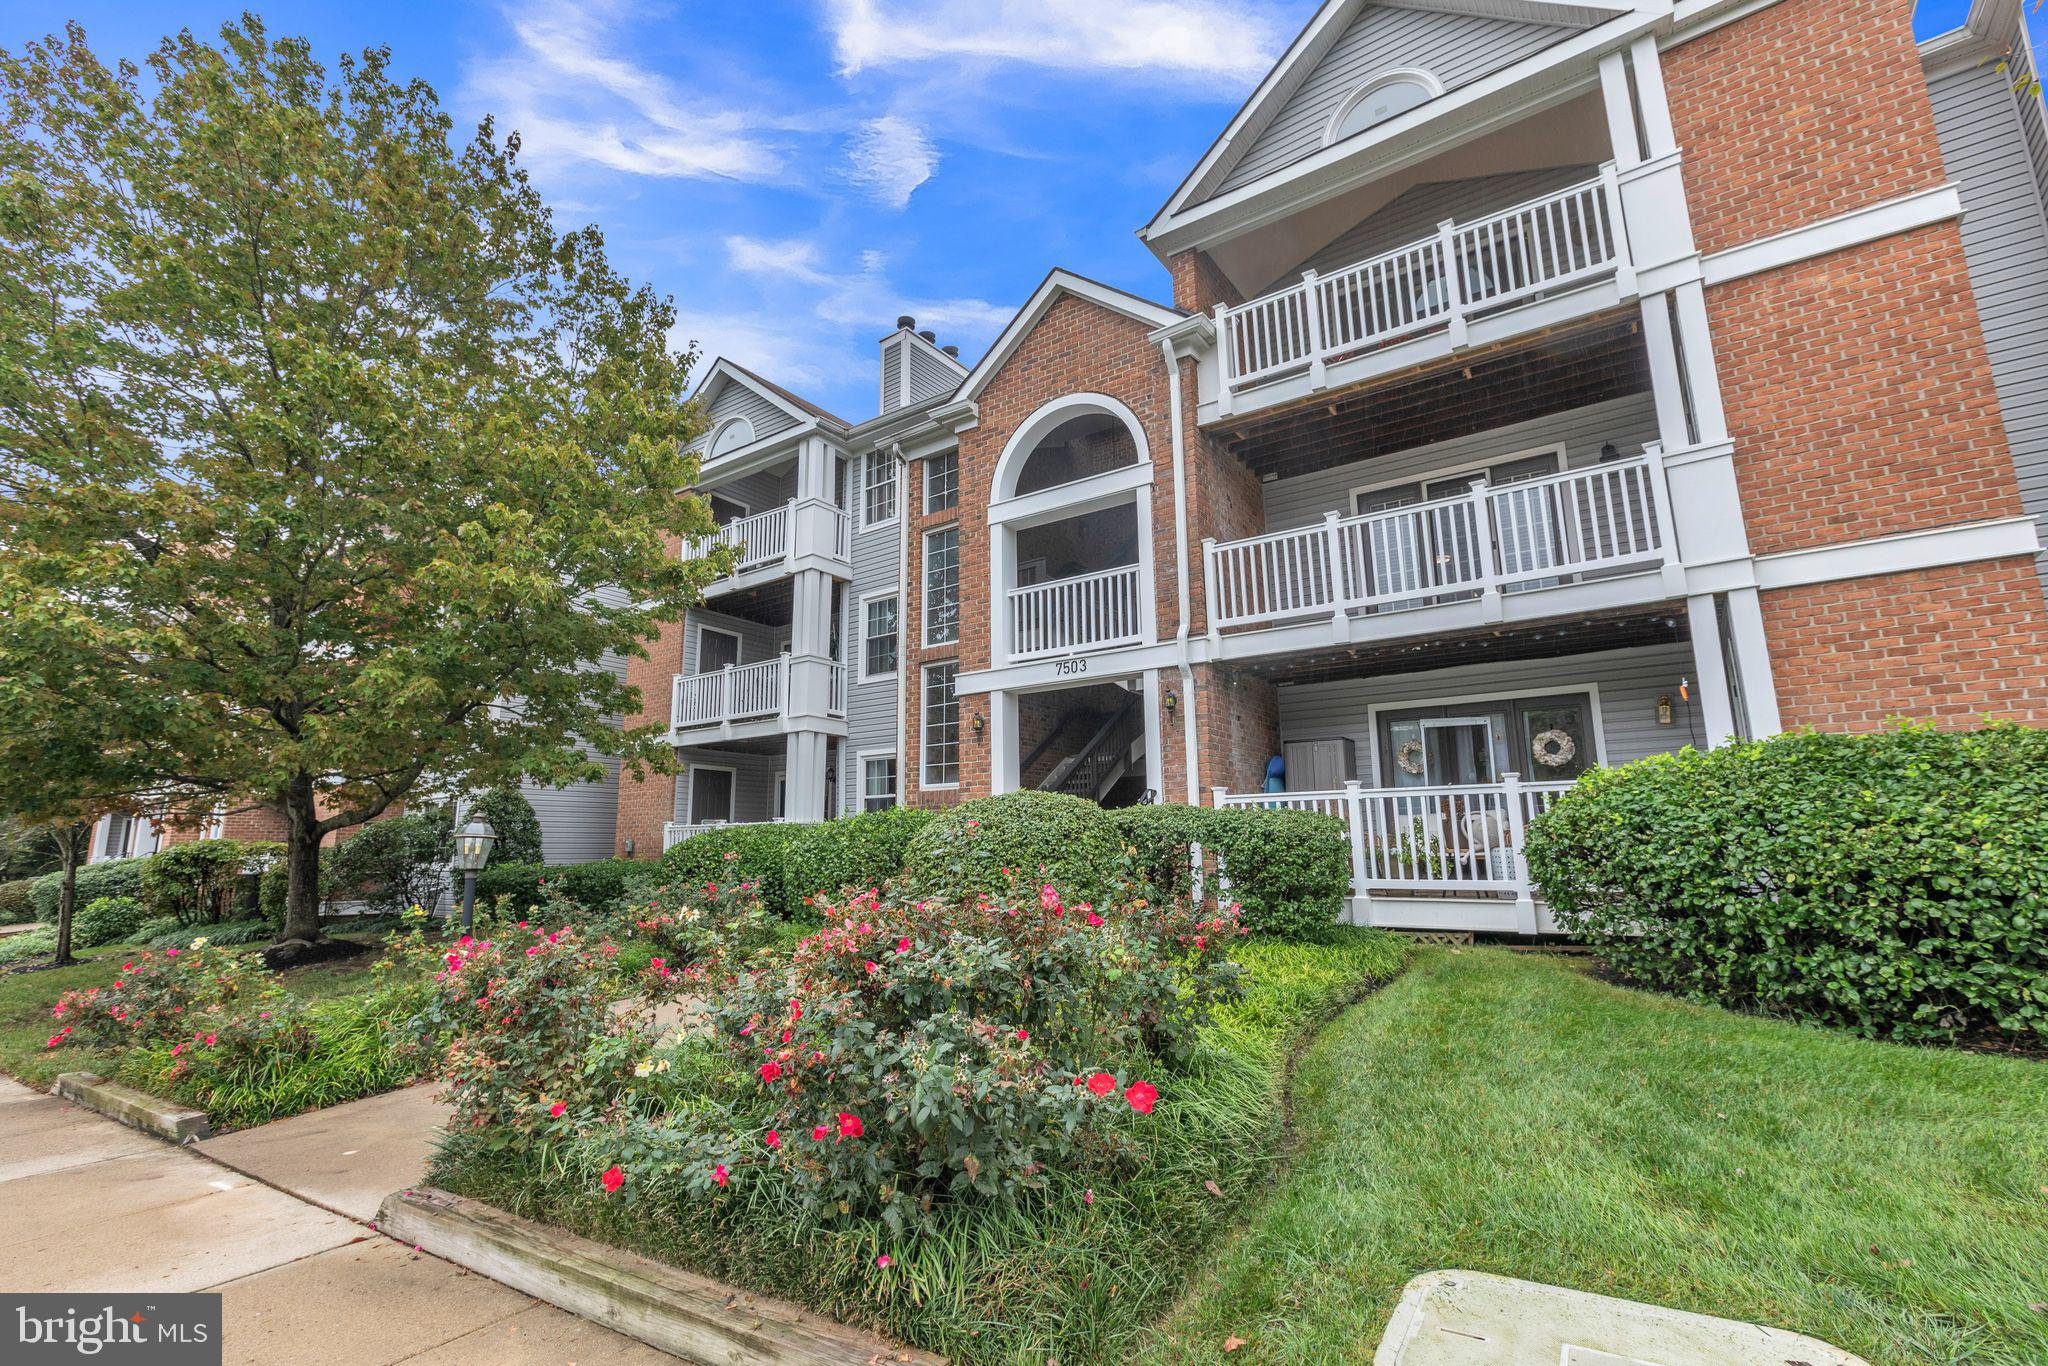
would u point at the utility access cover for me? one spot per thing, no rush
(1469, 1318)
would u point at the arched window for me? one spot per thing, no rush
(1383, 97)
(730, 437)
(1068, 440)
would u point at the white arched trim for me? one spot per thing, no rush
(731, 434)
(1414, 75)
(1018, 450)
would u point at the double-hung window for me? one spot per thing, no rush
(877, 489)
(942, 482)
(941, 733)
(942, 586)
(878, 637)
(877, 782)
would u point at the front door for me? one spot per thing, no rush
(710, 795)
(1457, 751)
(716, 650)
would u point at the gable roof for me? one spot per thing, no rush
(1324, 32)
(725, 372)
(1059, 284)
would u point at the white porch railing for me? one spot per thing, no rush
(1089, 612)
(675, 832)
(735, 693)
(1562, 239)
(1429, 839)
(767, 537)
(1506, 539)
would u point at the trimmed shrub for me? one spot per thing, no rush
(115, 877)
(859, 851)
(759, 851)
(518, 882)
(107, 920)
(396, 864)
(199, 882)
(1893, 884)
(511, 817)
(1159, 838)
(17, 901)
(1290, 871)
(595, 886)
(1018, 839)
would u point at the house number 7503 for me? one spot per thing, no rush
(1069, 666)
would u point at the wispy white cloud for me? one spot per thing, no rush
(577, 103)
(890, 158)
(1223, 40)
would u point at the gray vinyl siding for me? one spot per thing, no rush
(738, 400)
(757, 642)
(761, 490)
(871, 707)
(1415, 215)
(1628, 422)
(930, 376)
(577, 823)
(1456, 48)
(1988, 138)
(753, 786)
(1629, 683)
(892, 373)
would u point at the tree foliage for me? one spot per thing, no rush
(327, 460)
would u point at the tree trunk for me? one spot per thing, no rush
(302, 862)
(72, 842)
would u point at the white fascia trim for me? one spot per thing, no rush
(724, 372)
(1985, 34)
(1071, 500)
(1420, 133)
(1056, 284)
(752, 459)
(1853, 229)
(1194, 335)
(2002, 538)
(1695, 18)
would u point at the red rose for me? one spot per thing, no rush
(849, 1125)
(1141, 1094)
(612, 1179)
(773, 1138)
(770, 1071)
(1102, 1083)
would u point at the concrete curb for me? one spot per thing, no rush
(687, 1315)
(132, 1107)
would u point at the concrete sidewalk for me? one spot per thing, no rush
(91, 1205)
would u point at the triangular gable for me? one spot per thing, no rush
(1345, 44)
(731, 391)
(1057, 285)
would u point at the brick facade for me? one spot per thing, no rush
(1957, 645)
(1859, 395)
(1800, 112)
(1198, 285)
(646, 804)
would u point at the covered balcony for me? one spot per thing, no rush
(772, 531)
(744, 692)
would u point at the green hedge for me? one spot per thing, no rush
(114, 877)
(17, 901)
(1891, 884)
(593, 886)
(761, 849)
(1290, 871)
(106, 920)
(862, 851)
(1020, 838)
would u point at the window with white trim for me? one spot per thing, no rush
(877, 489)
(1386, 96)
(877, 781)
(942, 586)
(941, 733)
(878, 637)
(731, 436)
(942, 482)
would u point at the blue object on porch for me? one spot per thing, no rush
(1276, 774)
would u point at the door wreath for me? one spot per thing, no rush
(1554, 749)
(1409, 757)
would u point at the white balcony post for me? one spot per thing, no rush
(1216, 795)
(1452, 263)
(1525, 901)
(1333, 564)
(1226, 361)
(1667, 523)
(1617, 224)
(1209, 594)
(1311, 303)
(1354, 822)
(1489, 564)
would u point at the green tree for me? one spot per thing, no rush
(322, 436)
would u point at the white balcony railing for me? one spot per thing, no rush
(675, 832)
(1428, 839)
(738, 693)
(1563, 239)
(777, 534)
(1089, 612)
(1509, 538)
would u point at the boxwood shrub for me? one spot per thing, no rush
(760, 849)
(595, 886)
(17, 901)
(107, 920)
(1893, 884)
(855, 851)
(1290, 871)
(115, 877)
(1024, 837)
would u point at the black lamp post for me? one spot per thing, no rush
(472, 850)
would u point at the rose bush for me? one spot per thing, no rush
(160, 996)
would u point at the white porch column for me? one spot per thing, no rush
(1155, 737)
(1710, 673)
(1651, 101)
(804, 760)
(1753, 662)
(1621, 111)
(1002, 742)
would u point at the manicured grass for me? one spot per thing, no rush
(1504, 1113)
(1075, 1275)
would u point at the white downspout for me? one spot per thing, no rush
(902, 623)
(1180, 574)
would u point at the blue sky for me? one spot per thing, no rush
(798, 172)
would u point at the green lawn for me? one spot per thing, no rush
(1507, 1113)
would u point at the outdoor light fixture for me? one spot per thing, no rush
(1171, 701)
(980, 723)
(472, 851)
(1664, 710)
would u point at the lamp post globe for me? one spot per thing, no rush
(472, 851)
